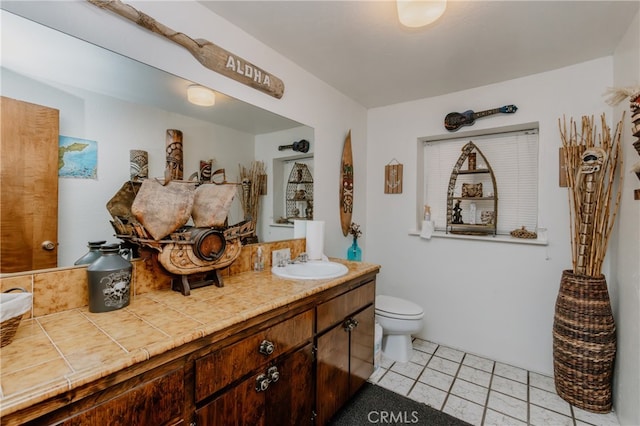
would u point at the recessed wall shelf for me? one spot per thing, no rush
(300, 193)
(473, 191)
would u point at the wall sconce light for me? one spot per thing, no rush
(418, 13)
(200, 95)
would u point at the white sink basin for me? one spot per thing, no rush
(311, 270)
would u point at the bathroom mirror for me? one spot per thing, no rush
(122, 104)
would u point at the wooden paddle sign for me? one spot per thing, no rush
(208, 54)
(454, 120)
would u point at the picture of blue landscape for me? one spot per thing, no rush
(77, 158)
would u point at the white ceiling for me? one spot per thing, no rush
(359, 48)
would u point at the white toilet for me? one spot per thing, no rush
(399, 319)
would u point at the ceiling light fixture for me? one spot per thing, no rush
(418, 13)
(200, 95)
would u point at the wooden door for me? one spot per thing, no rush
(332, 376)
(29, 186)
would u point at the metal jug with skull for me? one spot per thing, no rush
(109, 280)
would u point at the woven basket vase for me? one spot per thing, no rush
(584, 342)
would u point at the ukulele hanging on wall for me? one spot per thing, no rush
(454, 120)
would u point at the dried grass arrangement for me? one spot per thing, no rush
(592, 160)
(584, 331)
(251, 182)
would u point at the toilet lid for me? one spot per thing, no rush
(394, 306)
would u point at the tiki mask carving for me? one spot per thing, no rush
(593, 160)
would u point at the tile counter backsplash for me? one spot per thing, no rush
(57, 290)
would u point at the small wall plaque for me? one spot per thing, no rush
(393, 178)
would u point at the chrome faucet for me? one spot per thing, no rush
(285, 260)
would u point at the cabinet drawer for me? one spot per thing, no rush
(219, 369)
(337, 309)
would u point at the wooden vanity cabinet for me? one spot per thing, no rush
(345, 343)
(296, 365)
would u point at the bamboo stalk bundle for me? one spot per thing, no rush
(594, 190)
(251, 180)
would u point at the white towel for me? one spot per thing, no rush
(14, 304)
(428, 226)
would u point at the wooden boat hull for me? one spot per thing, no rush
(180, 259)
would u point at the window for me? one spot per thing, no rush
(513, 156)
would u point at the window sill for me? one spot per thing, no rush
(281, 225)
(540, 241)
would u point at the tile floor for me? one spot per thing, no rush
(481, 391)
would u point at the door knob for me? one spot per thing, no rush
(48, 245)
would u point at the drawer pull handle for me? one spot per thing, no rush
(266, 347)
(347, 325)
(262, 383)
(350, 324)
(273, 374)
(264, 380)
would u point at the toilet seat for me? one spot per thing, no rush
(394, 307)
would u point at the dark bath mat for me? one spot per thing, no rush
(376, 405)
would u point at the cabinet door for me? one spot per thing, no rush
(362, 342)
(287, 401)
(332, 372)
(240, 405)
(158, 402)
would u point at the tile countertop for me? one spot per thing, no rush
(55, 353)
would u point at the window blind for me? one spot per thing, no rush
(513, 158)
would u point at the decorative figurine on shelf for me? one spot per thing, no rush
(457, 214)
(354, 252)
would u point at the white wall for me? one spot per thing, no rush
(306, 99)
(492, 299)
(625, 289)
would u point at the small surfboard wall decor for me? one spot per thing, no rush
(346, 186)
(454, 120)
(393, 177)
